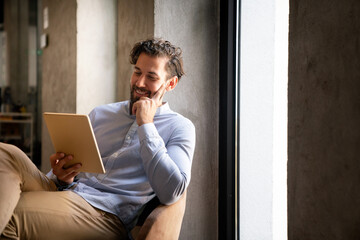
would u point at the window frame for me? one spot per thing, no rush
(229, 119)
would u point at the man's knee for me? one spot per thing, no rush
(12, 157)
(32, 216)
(16, 163)
(60, 215)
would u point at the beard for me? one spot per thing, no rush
(134, 98)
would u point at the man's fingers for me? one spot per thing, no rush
(135, 106)
(68, 173)
(57, 163)
(158, 96)
(65, 160)
(55, 158)
(138, 104)
(145, 108)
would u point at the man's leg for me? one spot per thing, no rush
(61, 215)
(17, 174)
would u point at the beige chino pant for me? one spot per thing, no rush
(31, 208)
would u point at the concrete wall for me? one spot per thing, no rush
(96, 22)
(16, 20)
(194, 26)
(58, 66)
(324, 118)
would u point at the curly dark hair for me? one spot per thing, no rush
(157, 47)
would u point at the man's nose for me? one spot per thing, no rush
(140, 81)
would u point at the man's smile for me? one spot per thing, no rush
(137, 93)
(142, 92)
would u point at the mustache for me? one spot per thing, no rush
(134, 88)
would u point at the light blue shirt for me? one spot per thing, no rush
(140, 162)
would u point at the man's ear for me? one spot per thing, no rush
(172, 82)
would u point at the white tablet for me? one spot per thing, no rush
(73, 134)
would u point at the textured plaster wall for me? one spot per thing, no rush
(194, 26)
(135, 23)
(324, 120)
(58, 66)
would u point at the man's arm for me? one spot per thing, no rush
(168, 168)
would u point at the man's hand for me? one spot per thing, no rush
(145, 108)
(64, 175)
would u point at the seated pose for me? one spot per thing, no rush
(146, 148)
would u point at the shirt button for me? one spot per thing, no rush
(128, 137)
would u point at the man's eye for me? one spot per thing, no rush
(152, 78)
(137, 73)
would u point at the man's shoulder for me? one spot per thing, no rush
(110, 110)
(184, 120)
(181, 127)
(111, 107)
(177, 120)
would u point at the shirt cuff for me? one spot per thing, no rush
(147, 131)
(59, 185)
(65, 187)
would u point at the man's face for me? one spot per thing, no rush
(148, 75)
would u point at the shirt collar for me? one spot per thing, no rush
(159, 111)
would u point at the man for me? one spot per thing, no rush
(146, 148)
